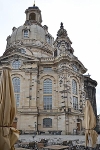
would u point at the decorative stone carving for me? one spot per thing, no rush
(60, 82)
(63, 46)
(62, 32)
(16, 57)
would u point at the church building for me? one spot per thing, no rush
(48, 79)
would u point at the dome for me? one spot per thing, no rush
(31, 34)
(35, 32)
(32, 28)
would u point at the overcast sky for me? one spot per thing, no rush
(81, 19)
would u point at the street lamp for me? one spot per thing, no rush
(35, 126)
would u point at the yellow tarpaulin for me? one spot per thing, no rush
(90, 124)
(8, 134)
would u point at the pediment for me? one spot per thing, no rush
(16, 56)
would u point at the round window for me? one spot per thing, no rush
(16, 64)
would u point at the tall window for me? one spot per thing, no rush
(47, 94)
(47, 122)
(16, 85)
(74, 87)
(75, 95)
(75, 102)
(16, 64)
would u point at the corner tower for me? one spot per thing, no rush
(62, 44)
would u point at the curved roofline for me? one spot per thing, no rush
(78, 61)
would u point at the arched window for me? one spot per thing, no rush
(16, 64)
(16, 85)
(74, 87)
(47, 122)
(74, 94)
(32, 16)
(47, 94)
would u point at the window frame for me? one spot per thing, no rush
(47, 99)
(74, 87)
(16, 87)
(46, 69)
(47, 123)
(16, 65)
(75, 103)
(47, 94)
(75, 94)
(26, 35)
(75, 68)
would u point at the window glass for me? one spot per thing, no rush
(74, 87)
(25, 33)
(22, 51)
(75, 68)
(47, 122)
(16, 64)
(47, 94)
(17, 97)
(47, 86)
(74, 95)
(16, 85)
(47, 68)
(48, 39)
(47, 102)
(75, 103)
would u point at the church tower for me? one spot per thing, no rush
(62, 43)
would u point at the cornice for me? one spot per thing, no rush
(31, 43)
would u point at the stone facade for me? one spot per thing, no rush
(98, 123)
(90, 91)
(48, 79)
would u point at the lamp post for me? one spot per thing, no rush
(64, 108)
(35, 126)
